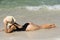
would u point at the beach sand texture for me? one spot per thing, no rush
(42, 16)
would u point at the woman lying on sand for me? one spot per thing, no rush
(26, 27)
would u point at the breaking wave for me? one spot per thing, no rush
(35, 8)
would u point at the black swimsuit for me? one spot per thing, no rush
(23, 27)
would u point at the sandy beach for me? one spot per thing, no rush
(42, 16)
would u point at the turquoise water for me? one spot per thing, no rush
(14, 3)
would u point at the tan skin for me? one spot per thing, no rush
(5, 26)
(30, 27)
(47, 26)
(33, 26)
(9, 20)
(12, 27)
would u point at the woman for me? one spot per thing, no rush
(29, 27)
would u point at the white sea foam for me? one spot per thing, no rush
(55, 7)
(35, 8)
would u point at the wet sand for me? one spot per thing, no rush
(38, 17)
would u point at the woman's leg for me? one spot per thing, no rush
(32, 27)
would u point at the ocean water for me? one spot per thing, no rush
(30, 4)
